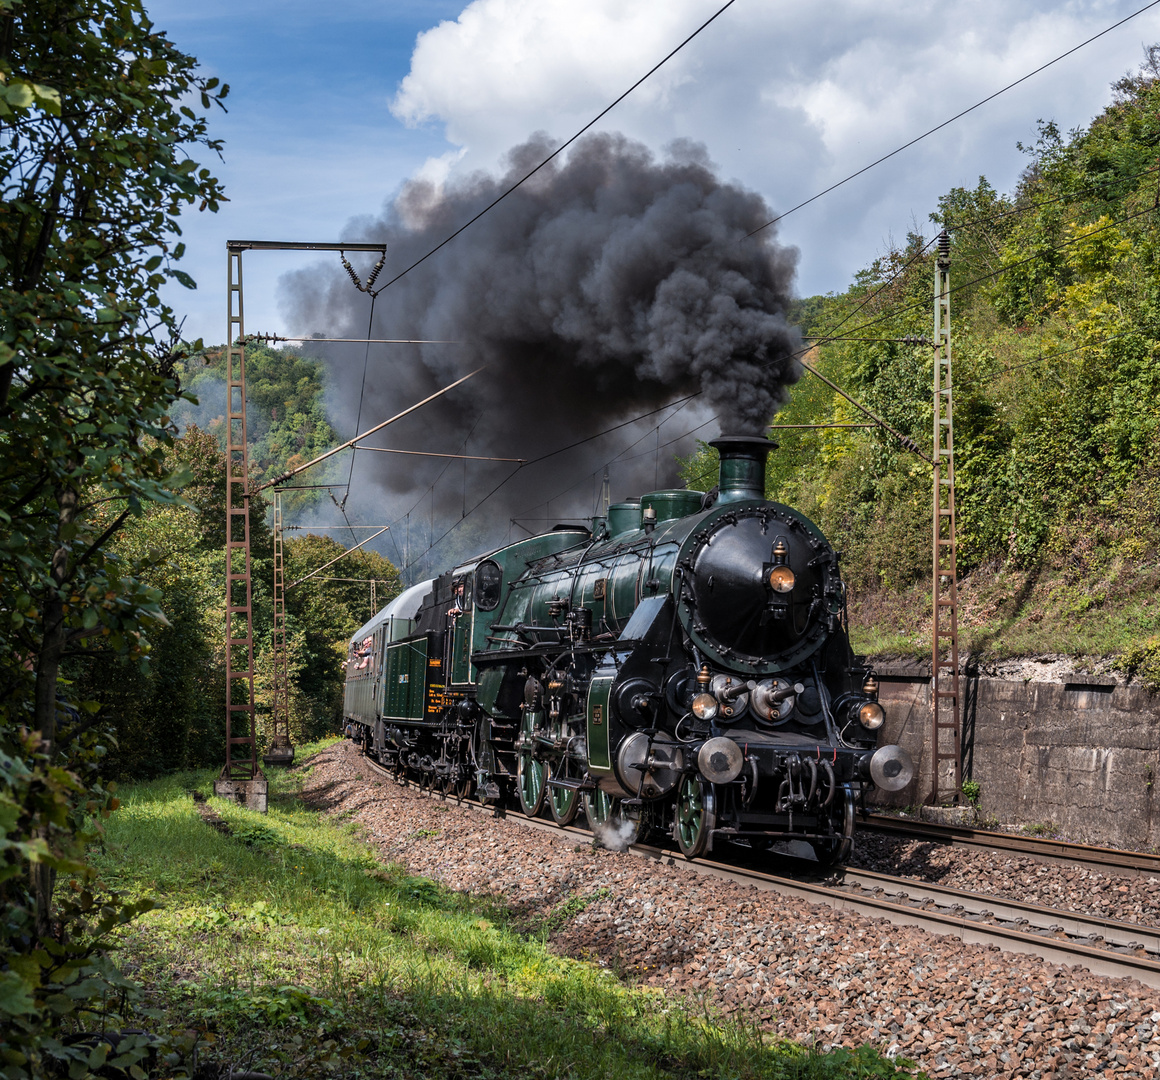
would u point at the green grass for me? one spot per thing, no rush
(287, 947)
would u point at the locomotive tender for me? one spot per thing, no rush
(683, 666)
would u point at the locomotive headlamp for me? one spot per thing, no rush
(704, 706)
(871, 716)
(781, 579)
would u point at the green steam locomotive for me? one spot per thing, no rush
(683, 666)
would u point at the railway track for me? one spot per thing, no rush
(1128, 863)
(1103, 946)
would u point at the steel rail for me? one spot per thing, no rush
(1117, 935)
(1097, 960)
(1129, 863)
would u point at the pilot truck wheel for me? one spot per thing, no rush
(696, 816)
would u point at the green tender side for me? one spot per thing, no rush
(404, 679)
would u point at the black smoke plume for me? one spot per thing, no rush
(607, 286)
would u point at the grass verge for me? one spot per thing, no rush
(285, 946)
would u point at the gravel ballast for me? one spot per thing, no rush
(806, 971)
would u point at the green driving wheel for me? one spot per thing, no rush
(695, 816)
(533, 783)
(598, 807)
(608, 824)
(563, 802)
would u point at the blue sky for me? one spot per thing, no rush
(310, 140)
(333, 107)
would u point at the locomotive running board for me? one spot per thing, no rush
(572, 785)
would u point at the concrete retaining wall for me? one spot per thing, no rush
(1082, 753)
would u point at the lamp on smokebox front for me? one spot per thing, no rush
(871, 715)
(704, 706)
(781, 577)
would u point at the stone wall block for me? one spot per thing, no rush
(1082, 754)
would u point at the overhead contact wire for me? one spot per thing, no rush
(957, 116)
(545, 457)
(919, 304)
(363, 388)
(564, 146)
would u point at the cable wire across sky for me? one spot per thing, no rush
(866, 300)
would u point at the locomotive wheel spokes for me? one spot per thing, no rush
(533, 783)
(563, 802)
(598, 806)
(695, 816)
(831, 852)
(463, 785)
(485, 757)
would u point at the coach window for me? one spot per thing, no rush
(488, 580)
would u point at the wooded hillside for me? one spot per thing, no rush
(1056, 330)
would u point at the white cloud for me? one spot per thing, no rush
(788, 97)
(502, 61)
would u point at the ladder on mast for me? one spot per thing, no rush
(281, 749)
(241, 747)
(945, 735)
(241, 777)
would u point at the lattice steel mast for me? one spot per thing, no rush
(241, 778)
(945, 735)
(241, 748)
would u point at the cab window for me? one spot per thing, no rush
(488, 583)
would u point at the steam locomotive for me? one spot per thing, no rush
(682, 666)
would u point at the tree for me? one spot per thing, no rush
(97, 119)
(322, 614)
(172, 716)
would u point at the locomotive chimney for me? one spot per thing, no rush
(742, 467)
